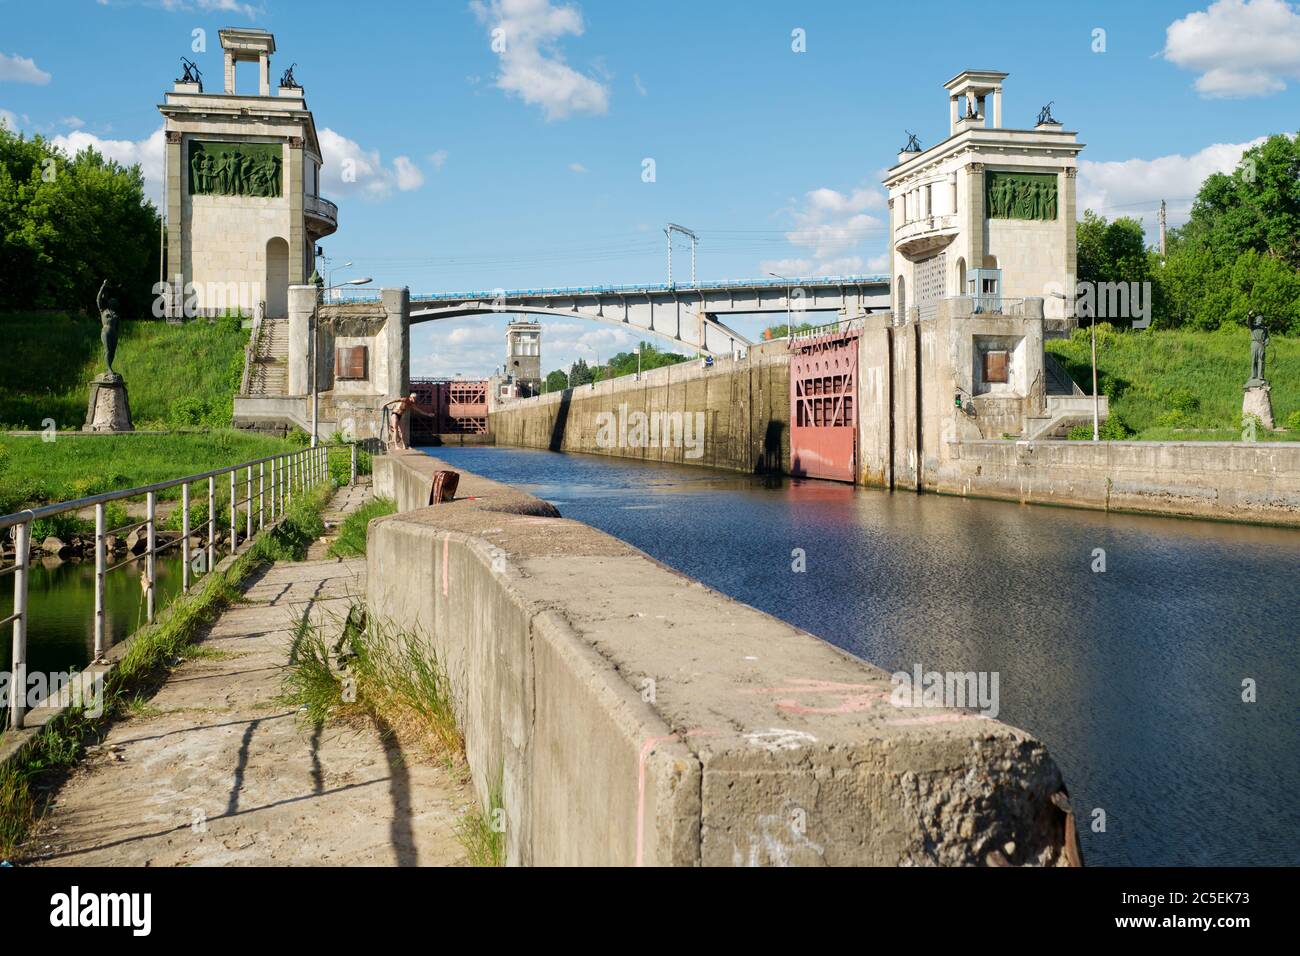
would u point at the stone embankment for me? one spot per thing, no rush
(623, 713)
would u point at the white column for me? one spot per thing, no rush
(997, 108)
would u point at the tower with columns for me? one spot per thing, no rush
(243, 204)
(989, 212)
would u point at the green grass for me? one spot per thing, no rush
(34, 471)
(175, 374)
(1182, 385)
(351, 542)
(146, 662)
(482, 832)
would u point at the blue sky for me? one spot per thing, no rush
(482, 169)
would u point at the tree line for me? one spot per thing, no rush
(67, 223)
(1238, 253)
(624, 363)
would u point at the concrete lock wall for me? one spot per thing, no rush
(629, 715)
(1257, 482)
(737, 413)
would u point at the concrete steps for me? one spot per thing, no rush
(269, 375)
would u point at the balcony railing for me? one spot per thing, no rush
(321, 208)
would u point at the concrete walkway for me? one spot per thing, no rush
(219, 772)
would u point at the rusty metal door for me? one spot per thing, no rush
(824, 406)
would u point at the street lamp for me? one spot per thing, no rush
(315, 349)
(788, 330)
(329, 273)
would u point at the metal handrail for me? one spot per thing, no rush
(291, 473)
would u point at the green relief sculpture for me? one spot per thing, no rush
(1020, 195)
(236, 169)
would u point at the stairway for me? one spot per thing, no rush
(269, 373)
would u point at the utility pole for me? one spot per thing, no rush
(1162, 229)
(673, 227)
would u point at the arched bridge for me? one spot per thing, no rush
(683, 313)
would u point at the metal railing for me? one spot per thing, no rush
(277, 479)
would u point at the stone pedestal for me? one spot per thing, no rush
(1258, 402)
(108, 409)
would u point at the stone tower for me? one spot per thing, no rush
(244, 210)
(988, 212)
(524, 356)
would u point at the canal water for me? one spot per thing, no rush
(1132, 676)
(61, 608)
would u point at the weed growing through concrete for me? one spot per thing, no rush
(483, 832)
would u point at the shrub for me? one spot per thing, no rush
(1293, 421)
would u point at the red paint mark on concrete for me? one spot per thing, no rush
(446, 544)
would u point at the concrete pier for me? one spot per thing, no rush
(629, 715)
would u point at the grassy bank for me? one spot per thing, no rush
(176, 375)
(1179, 385)
(34, 471)
(145, 665)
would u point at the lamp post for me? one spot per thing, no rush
(315, 358)
(638, 361)
(788, 330)
(329, 273)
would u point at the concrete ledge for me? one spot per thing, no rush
(633, 716)
(1237, 481)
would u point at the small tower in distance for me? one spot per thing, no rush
(524, 356)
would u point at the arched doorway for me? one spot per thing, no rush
(961, 276)
(277, 278)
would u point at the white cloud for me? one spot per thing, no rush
(408, 174)
(73, 122)
(525, 34)
(212, 6)
(640, 87)
(1240, 47)
(22, 69)
(7, 118)
(1134, 187)
(148, 152)
(351, 170)
(831, 226)
(577, 168)
(438, 160)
